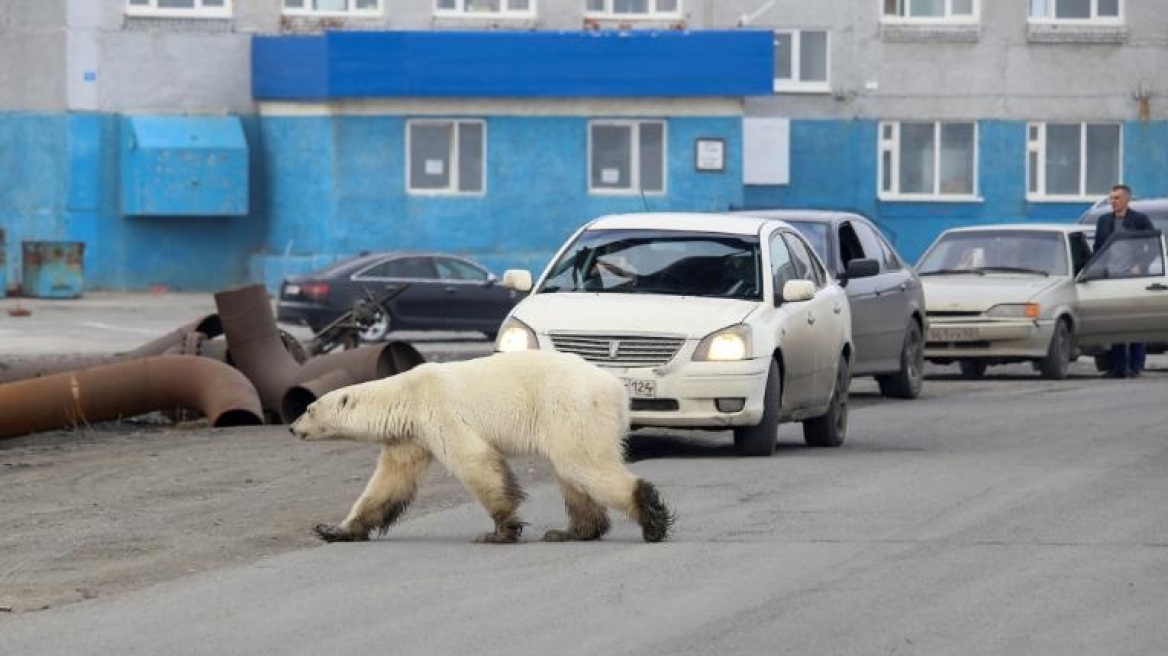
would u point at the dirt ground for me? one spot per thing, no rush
(98, 511)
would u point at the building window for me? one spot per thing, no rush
(801, 61)
(484, 7)
(626, 157)
(179, 8)
(934, 159)
(446, 157)
(1072, 161)
(632, 9)
(332, 7)
(930, 11)
(1079, 11)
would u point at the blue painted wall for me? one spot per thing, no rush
(505, 64)
(834, 165)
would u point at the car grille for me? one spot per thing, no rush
(953, 313)
(619, 350)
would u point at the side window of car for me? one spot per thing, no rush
(871, 243)
(806, 266)
(892, 261)
(410, 267)
(452, 269)
(782, 267)
(1080, 252)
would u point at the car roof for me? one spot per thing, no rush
(1157, 205)
(364, 259)
(1021, 227)
(806, 215)
(684, 221)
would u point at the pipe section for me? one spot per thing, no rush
(253, 340)
(325, 373)
(126, 389)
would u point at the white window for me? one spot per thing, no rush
(446, 157)
(179, 8)
(632, 8)
(484, 7)
(1072, 160)
(626, 157)
(928, 159)
(802, 61)
(332, 7)
(930, 11)
(1093, 11)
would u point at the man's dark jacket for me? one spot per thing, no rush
(1133, 220)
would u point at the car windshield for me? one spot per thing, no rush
(816, 233)
(659, 262)
(1008, 251)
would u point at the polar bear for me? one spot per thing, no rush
(470, 415)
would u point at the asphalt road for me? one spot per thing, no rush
(1009, 515)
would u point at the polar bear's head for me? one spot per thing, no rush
(374, 411)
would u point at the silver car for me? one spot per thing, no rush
(1034, 293)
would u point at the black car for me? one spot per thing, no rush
(888, 308)
(441, 292)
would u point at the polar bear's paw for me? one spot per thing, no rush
(334, 533)
(506, 532)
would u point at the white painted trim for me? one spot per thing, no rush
(480, 107)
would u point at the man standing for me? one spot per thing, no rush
(1125, 360)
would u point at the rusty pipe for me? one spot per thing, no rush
(126, 389)
(184, 340)
(325, 373)
(253, 340)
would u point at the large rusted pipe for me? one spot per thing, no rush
(183, 340)
(255, 345)
(325, 373)
(126, 389)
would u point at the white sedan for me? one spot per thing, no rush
(1006, 293)
(713, 321)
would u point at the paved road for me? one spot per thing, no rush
(1004, 516)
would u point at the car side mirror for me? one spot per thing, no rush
(795, 291)
(862, 267)
(517, 279)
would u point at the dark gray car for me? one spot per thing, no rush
(888, 309)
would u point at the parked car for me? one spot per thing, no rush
(888, 309)
(1155, 208)
(1034, 292)
(442, 292)
(713, 321)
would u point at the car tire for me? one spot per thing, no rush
(1057, 362)
(907, 383)
(831, 429)
(380, 327)
(972, 369)
(760, 440)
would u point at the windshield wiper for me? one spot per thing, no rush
(949, 272)
(1006, 269)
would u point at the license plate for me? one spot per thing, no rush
(939, 334)
(640, 389)
(292, 290)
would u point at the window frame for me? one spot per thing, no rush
(892, 146)
(635, 174)
(795, 84)
(1036, 153)
(902, 16)
(653, 13)
(350, 10)
(1095, 19)
(151, 9)
(453, 158)
(461, 10)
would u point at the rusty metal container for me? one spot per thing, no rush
(52, 269)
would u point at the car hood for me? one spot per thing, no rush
(693, 316)
(970, 293)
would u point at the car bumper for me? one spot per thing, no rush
(687, 394)
(300, 314)
(949, 340)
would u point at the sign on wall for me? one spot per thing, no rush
(766, 151)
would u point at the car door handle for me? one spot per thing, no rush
(450, 289)
(1157, 287)
(811, 318)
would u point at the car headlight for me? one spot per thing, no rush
(516, 336)
(1015, 311)
(725, 345)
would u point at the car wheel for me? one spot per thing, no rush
(380, 327)
(906, 383)
(760, 440)
(972, 368)
(1057, 362)
(832, 428)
